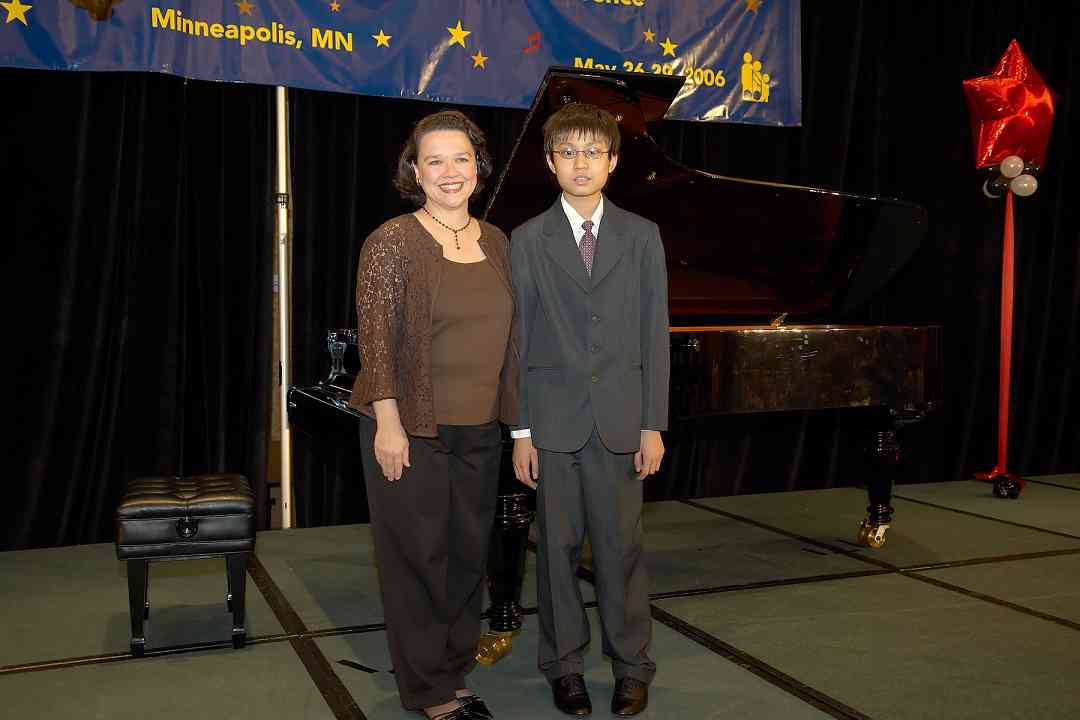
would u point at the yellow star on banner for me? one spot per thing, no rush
(650, 36)
(458, 34)
(753, 5)
(669, 47)
(16, 11)
(382, 39)
(335, 6)
(478, 60)
(244, 7)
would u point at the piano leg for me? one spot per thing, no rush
(506, 573)
(885, 449)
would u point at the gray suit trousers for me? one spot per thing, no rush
(594, 491)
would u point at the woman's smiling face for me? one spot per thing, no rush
(446, 168)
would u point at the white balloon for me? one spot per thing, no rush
(1024, 185)
(1012, 166)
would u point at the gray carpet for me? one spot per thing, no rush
(1072, 481)
(1050, 585)
(73, 602)
(1045, 506)
(328, 574)
(886, 645)
(920, 535)
(263, 681)
(688, 548)
(691, 682)
(893, 647)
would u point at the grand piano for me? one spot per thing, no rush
(751, 296)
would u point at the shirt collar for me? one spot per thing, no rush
(576, 220)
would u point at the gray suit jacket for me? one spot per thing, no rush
(594, 350)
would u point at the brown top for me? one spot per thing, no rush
(397, 281)
(470, 326)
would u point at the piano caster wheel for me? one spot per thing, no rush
(493, 647)
(1007, 486)
(872, 536)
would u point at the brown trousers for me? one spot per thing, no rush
(432, 528)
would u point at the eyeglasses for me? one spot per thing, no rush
(570, 154)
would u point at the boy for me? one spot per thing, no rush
(590, 288)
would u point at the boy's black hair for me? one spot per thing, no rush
(581, 119)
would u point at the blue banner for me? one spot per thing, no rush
(741, 58)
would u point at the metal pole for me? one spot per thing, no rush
(284, 304)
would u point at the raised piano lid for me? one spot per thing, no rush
(736, 248)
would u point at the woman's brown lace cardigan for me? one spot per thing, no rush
(396, 285)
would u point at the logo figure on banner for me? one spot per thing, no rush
(755, 84)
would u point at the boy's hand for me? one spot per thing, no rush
(526, 462)
(647, 459)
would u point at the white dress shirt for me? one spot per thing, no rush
(576, 220)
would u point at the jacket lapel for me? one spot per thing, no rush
(559, 244)
(611, 242)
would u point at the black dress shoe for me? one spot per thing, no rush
(476, 707)
(457, 714)
(571, 695)
(631, 697)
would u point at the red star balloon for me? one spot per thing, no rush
(1011, 109)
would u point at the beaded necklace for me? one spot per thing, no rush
(457, 243)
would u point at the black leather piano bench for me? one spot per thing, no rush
(185, 518)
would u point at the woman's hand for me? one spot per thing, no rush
(391, 442)
(391, 450)
(526, 462)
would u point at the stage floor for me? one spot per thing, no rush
(763, 605)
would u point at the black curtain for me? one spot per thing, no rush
(883, 115)
(139, 209)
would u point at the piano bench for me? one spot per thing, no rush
(185, 518)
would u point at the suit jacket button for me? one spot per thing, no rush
(596, 348)
(595, 379)
(596, 318)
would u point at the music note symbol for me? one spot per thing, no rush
(534, 43)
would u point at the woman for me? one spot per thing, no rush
(435, 309)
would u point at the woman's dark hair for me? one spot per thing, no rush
(405, 179)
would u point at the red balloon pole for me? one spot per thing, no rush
(1006, 339)
(1011, 110)
(1005, 483)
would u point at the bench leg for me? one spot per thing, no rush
(146, 592)
(228, 585)
(138, 577)
(237, 574)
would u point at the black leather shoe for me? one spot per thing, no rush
(458, 714)
(476, 707)
(631, 697)
(571, 695)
